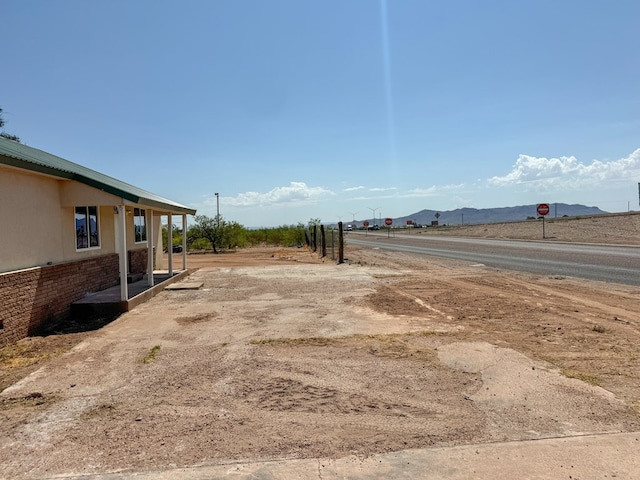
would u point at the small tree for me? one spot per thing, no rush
(219, 232)
(233, 235)
(206, 227)
(4, 134)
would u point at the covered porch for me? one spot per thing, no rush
(109, 301)
(129, 287)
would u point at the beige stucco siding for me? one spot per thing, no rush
(105, 230)
(38, 212)
(38, 215)
(73, 194)
(30, 206)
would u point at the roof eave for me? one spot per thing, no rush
(23, 164)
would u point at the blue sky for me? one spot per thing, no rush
(299, 109)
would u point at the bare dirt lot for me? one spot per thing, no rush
(282, 355)
(615, 229)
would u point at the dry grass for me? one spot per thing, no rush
(590, 379)
(24, 354)
(382, 345)
(151, 356)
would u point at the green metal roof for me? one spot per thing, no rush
(28, 158)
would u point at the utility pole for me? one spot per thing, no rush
(218, 236)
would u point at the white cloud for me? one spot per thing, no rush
(296, 193)
(434, 190)
(353, 189)
(382, 189)
(568, 172)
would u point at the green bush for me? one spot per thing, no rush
(229, 235)
(200, 244)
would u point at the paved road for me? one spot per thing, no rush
(608, 263)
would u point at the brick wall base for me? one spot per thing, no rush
(32, 298)
(138, 261)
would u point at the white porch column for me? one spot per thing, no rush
(184, 241)
(170, 243)
(157, 229)
(122, 252)
(148, 225)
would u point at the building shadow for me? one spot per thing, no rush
(76, 324)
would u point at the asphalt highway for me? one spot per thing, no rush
(607, 263)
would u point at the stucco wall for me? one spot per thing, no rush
(38, 213)
(106, 232)
(31, 216)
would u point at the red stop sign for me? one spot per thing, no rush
(365, 224)
(543, 209)
(388, 221)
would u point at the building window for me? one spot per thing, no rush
(87, 230)
(139, 225)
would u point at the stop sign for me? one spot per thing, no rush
(365, 224)
(388, 221)
(543, 209)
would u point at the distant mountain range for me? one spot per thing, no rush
(472, 216)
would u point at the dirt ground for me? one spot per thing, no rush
(283, 355)
(615, 229)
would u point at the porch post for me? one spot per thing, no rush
(122, 250)
(148, 225)
(170, 243)
(184, 241)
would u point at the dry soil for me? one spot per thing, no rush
(281, 354)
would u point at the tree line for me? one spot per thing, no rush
(218, 234)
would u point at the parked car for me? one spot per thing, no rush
(174, 249)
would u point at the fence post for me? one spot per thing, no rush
(323, 242)
(340, 244)
(315, 238)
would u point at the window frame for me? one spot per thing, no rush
(140, 213)
(93, 240)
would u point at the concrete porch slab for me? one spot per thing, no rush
(106, 302)
(185, 286)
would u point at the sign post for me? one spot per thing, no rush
(365, 224)
(543, 210)
(388, 222)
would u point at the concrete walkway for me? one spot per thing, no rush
(579, 458)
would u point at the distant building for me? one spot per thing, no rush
(67, 231)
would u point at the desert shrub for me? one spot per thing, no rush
(201, 244)
(286, 236)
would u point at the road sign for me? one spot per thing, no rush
(365, 224)
(543, 209)
(388, 221)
